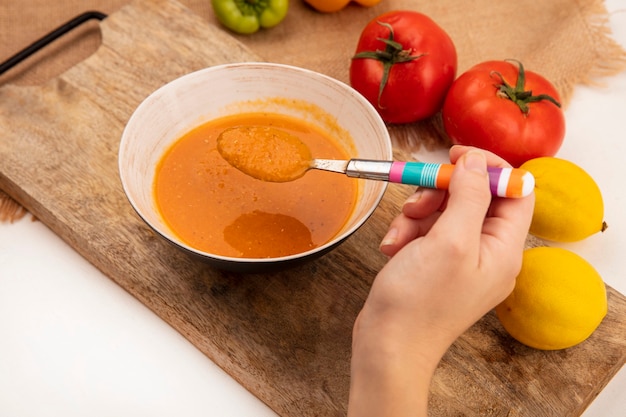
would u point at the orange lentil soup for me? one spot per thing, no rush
(213, 207)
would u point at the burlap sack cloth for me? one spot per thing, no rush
(567, 41)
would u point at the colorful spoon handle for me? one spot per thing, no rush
(504, 182)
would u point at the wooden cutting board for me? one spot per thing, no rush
(284, 336)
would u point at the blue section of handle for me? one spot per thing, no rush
(420, 173)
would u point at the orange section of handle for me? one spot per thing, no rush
(444, 175)
(515, 187)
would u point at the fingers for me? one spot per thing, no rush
(492, 159)
(469, 199)
(508, 218)
(419, 212)
(423, 203)
(464, 207)
(403, 230)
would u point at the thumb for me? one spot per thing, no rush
(469, 197)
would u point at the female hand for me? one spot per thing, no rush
(454, 256)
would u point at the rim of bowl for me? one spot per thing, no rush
(335, 240)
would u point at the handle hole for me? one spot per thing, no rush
(54, 53)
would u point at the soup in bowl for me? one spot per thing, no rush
(179, 185)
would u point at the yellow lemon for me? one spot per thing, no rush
(568, 202)
(558, 301)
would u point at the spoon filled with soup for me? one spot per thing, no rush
(271, 154)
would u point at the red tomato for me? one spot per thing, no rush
(404, 65)
(498, 106)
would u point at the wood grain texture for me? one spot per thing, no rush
(284, 336)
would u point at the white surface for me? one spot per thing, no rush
(73, 343)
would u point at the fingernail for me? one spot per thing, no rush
(475, 161)
(415, 197)
(390, 238)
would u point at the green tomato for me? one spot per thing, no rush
(248, 16)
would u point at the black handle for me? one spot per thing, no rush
(49, 38)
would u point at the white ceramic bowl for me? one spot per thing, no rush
(177, 107)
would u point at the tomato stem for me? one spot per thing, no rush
(517, 94)
(391, 55)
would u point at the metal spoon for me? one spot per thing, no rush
(271, 154)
